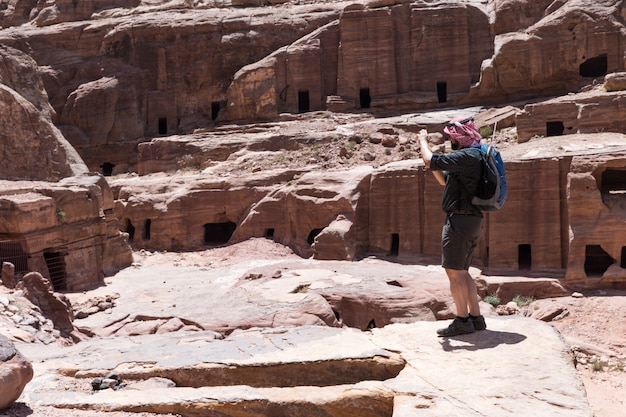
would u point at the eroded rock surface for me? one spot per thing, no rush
(15, 372)
(323, 371)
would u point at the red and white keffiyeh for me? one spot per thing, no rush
(464, 131)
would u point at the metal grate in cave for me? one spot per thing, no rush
(56, 268)
(11, 251)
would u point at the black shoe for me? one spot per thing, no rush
(478, 322)
(457, 327)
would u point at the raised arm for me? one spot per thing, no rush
(427, 155)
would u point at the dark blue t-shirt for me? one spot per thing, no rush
(463, 170)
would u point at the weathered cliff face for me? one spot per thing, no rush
(592, 111)
(410, 55)
(596, 193)
(32, 148)
(130, 73)
(582, 41)
(120, 72)
(404, 55)
(56, 217)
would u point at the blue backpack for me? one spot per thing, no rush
(492, 189)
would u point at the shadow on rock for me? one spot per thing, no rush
(486, 339)
(18, 409)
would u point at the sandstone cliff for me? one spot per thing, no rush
(55, 215)
(117, 74)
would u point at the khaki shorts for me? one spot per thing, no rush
(459, 237)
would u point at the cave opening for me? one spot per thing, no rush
(215, 109)
(312, 235)
(107, 169)
(594, 67)
(365, 99)
(524, 256)
(146, 229)
(442, 91)
(303, 101)
(55, 261)
(162, 125)
(12, 251)
(395, 244)
(218, 233)
(555, 128)
(597, 261)
(613, 188)
(130, 229)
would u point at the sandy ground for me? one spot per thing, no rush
(593, 325)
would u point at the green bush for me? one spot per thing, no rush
(523, 300)
(486, 131)
(492, 299)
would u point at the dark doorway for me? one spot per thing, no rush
(364, 98)
(11, 251)
(524, 256)
(130, 229)
(442, 91)
(555, 128)
(613, 181)
(55, 261)
(107, 169)
(269, 233)
(303, 101)
(162, 125)
(594, 67)
(311, 238)
(218, 233)
(146, 229)
(215, 110)
(622, 263)
(597, 261)
(395, 244)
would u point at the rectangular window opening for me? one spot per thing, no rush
(555, 128)
(364, 98)
(215, 110)
(303, 101)
(442, 91)
(146, 229)
(524, 256)
(395, 244)
(622, 263)
(162, 125)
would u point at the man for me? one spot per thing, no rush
(459, 173)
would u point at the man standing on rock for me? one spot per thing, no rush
(459, 173)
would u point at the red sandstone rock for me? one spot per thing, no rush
(54, 306)
(15, 372)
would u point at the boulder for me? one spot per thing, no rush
(54, 306)
(615, 81)
(15, 372)
(8, 275)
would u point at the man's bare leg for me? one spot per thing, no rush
(464, 292)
